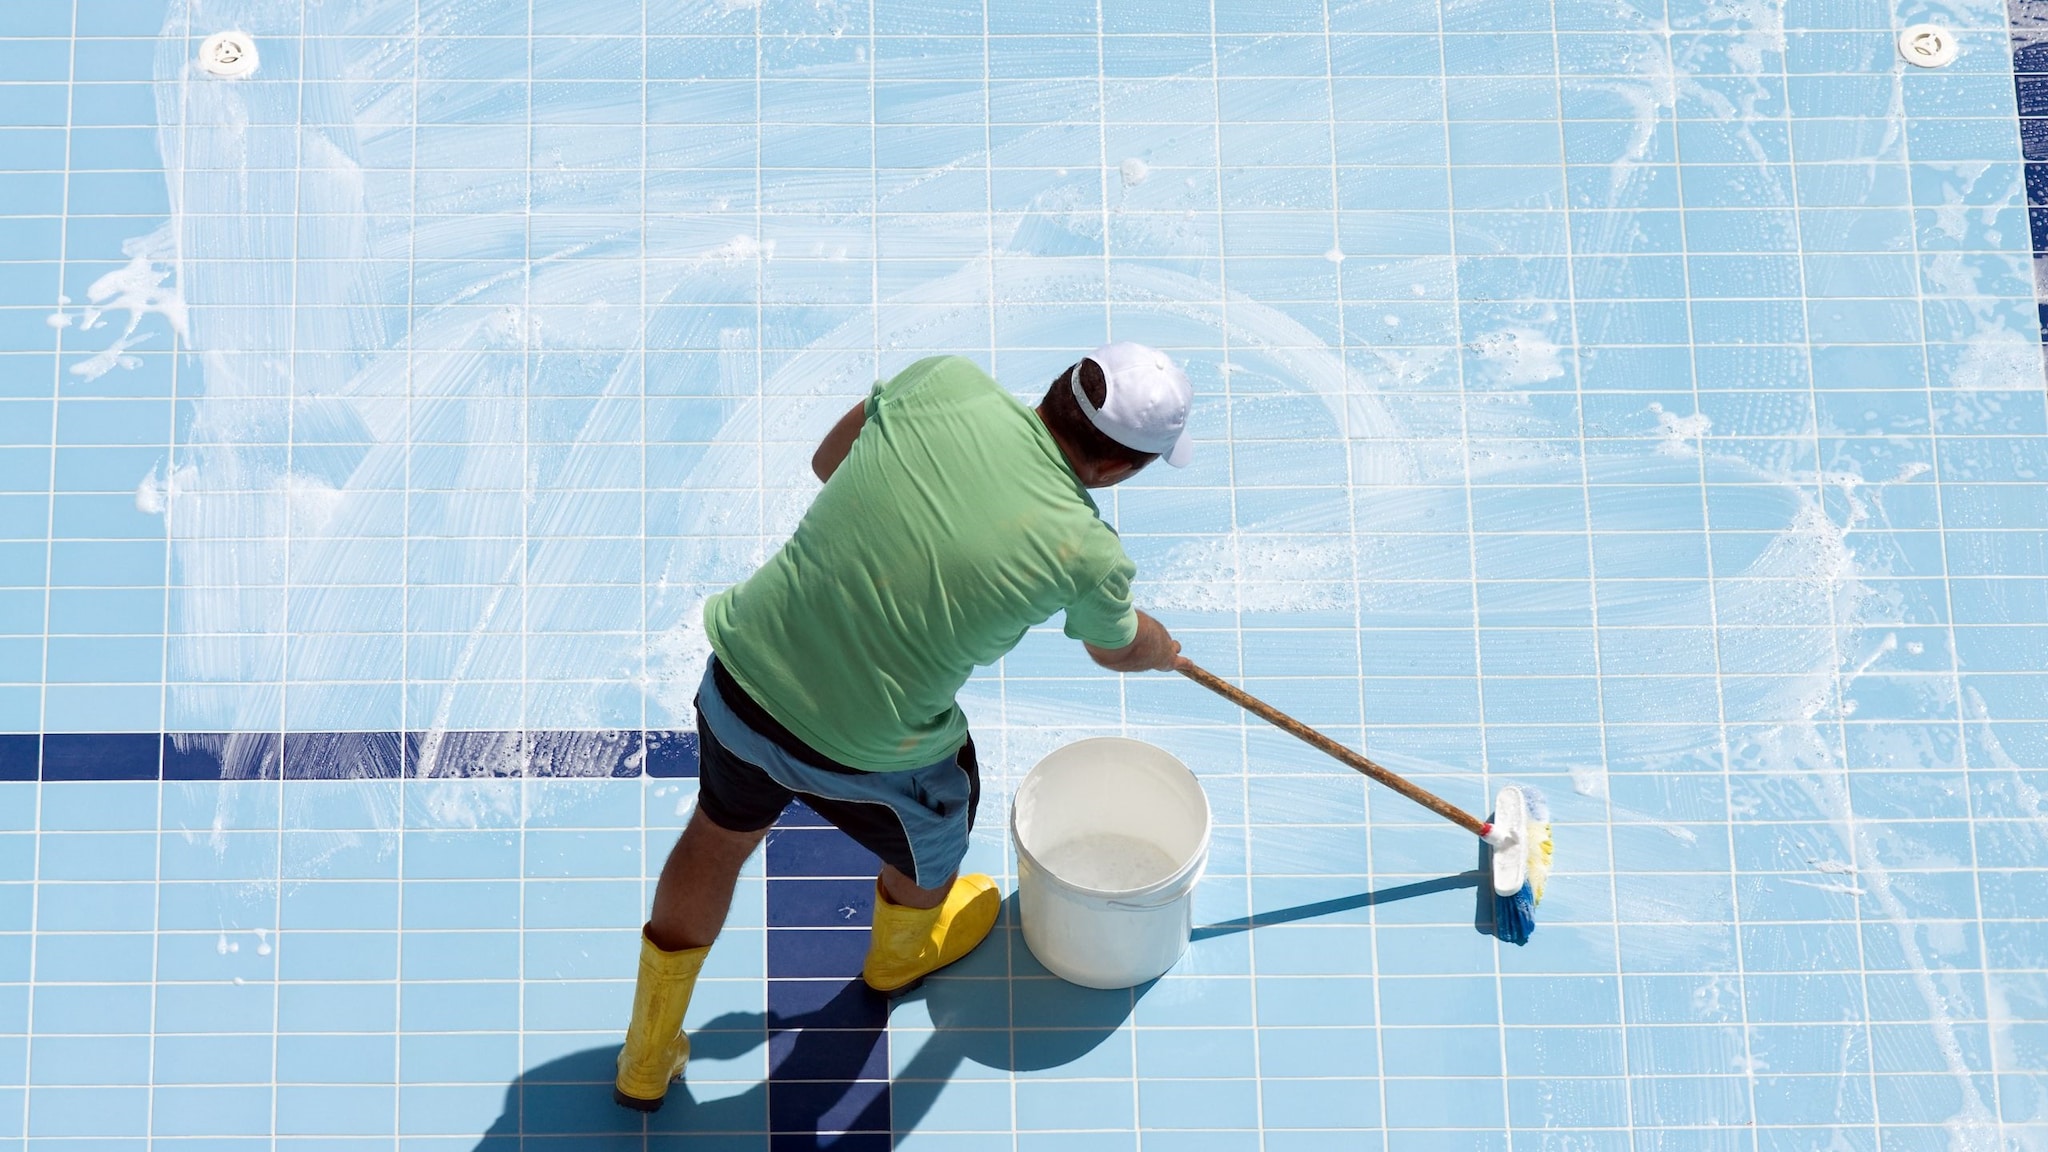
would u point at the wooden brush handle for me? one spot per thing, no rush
(1303, 732)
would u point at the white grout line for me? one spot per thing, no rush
(1936, 447)
(1713, 586)
(35, 892)
(1227, 446)
(1835, 755)
(406, 720)
(1451, 217)
(528, 331)
(1350, 440)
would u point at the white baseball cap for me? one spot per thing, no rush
(1145, 400)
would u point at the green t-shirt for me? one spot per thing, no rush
(954, 525)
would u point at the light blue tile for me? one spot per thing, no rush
(1073, 1105)
(334, 1111)
(88, 1112)
(1344, 1104)
(1318, 1052)
(208, 1009)
(89, 1060)
(336, 1007)
(439, 1058)
(1199, 1104)
(211, 1112)
(215, 1059)
(92, 1010)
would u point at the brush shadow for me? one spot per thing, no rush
(1346, 904)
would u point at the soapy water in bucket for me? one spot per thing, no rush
(1109, 862)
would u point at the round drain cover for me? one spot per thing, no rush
(1928, 45)
(230, 54)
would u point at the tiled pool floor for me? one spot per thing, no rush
(1637, 399)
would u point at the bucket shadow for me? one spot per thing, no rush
(1482, 916)
(1056, 1024)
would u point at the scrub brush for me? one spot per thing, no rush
(1518, 835)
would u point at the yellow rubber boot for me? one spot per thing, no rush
(656, 1048)
(911, 943)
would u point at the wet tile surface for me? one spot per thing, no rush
(1637, 401)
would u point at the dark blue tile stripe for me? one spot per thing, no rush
(609, 753)
(20, 757)
(828, 1036)
(2029, 24)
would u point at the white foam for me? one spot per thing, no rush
(137, 288)
(1682, 434)
(1109, 862)
(150, 495)
(1825, 886)
(1517, 356)
(1588, 780)
(741, 249)
(1134, 171)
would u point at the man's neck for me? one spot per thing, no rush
(1073, 458)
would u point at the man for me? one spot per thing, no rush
(952, 519)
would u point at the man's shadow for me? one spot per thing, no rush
(829, 1069)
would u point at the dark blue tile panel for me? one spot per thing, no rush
(20, 757)
(342, 755)
(815, 953)
(800, 815)
(603, 753)
(2034, 138)
(843, 1142)
(438, 754)
(806, 902)
(223, 755)
(2029, 54)
(818, 852)
(672, 755)
(803, 1107)
(824, 1004)
(101, 755)
(2029, 26)
(828, 1038)
(819, 1054)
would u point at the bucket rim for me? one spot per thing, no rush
(1186, 876)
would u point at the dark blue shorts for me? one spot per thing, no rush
(750, 767)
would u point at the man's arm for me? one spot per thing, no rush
(838, 442)
(1153, 651)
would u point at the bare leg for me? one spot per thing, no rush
(902, 890)
(695, 890)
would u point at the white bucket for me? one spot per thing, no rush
(1112, 835)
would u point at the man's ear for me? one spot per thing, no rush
(1112, 472)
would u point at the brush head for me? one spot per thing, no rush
(1514, 916)
(1508, 837)
(1538, 832)
(1519, 835)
